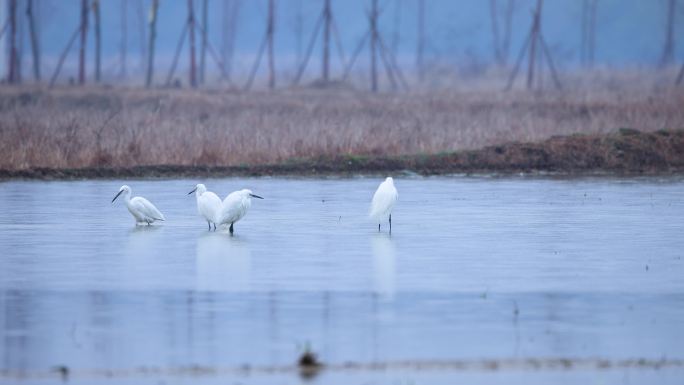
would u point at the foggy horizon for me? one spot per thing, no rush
(458, 35)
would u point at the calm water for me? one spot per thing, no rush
(476, 269)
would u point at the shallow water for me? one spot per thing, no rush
(475, 269)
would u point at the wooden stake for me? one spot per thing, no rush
(518, 62)
(668, 46)
(326, 41)
(35, 49)
(494, 17)
(63, 56)
(533, 44)
(12, 64)
(373, 37)
(191, 30)
(309, 49)
(153, 35)
(270, 32)
(508, 22)
(96, 14)
(176, 56)
(84, 34)
(421, 39)
(214, 54)
(124, 36)
(203, 49)
(680, 77)
(355, 55)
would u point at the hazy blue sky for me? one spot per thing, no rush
(629, 32)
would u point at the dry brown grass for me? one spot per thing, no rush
(94, 127)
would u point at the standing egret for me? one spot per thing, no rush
(142, 210)
(383, 202)
(208, 204)
(235, 207)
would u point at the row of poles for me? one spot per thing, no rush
(535, 47)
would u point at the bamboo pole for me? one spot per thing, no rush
(35, 49)
(191, 31)
(270, 33)
(203, 48)
(124, 37)
(421, 39)
(63, 56)
(326, 41)
(668, 46)
(373, 42)
(12, 64)
(533, 44)
(82, 50)
(152, 36)
(96, 14)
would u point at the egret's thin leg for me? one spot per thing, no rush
(378, 227)
(214, 226)
(231, 228)
(209, 223)
(390, 220)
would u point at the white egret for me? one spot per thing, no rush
(208, 204)
(235, 207)
(142, 210)
(383, 202)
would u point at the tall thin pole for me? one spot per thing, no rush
(592, 32)
(299, 30)
(12, 65)
(396, 26)
(84, 34)
(20, 44)
(534, 38)
(668, 47)
(153, 35)
(271, 30)
(35, 49)
(373, 42)
(142, 27)
(225, 16)
(494, 17)
(203, 48)
(326, 40)
(124, 36)
(96, 12)
(191, 30)
(421, 39)
(508, 22)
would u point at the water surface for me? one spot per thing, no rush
(475, 269)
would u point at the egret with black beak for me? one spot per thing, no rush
(235, 207)
(142, 210)
(208, 204)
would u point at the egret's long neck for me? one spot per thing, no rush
(127, 197)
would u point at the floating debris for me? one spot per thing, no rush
(308, 364)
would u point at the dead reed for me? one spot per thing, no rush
(98, 127)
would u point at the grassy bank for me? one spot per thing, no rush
(114, 128)
(626, 152)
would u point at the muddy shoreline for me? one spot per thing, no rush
(626, 152)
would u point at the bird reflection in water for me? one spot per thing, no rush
(222, 263)
(384, 265)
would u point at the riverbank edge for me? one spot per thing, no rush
(626, 152)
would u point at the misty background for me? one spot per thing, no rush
(458, 35)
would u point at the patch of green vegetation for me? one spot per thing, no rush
(628, 131)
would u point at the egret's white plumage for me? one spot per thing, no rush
(235, 207)
(142, 210)
(383, 202)
(208, 204)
